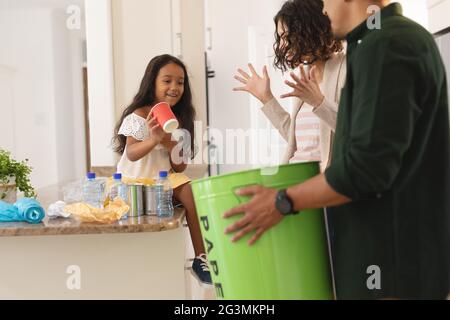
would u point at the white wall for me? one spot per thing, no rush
(438, 15)
(7, 137)
(40, 111)
(101, 81)
(415, 10)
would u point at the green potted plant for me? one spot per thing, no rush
(14, 175)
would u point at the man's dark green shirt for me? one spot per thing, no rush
(391, 156)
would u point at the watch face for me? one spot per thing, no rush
(285, 206)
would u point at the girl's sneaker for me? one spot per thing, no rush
(200, 269)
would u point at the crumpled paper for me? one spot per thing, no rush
(144, 181)
(57, 210)
(113, 212)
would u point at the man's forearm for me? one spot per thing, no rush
(315, 193)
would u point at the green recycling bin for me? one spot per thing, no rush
(289, 262)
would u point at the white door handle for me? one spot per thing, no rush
(209, 31)
(179, 38)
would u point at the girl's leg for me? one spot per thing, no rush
(184, 195)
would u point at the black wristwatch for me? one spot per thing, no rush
(284, 204)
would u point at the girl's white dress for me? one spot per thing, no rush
(150, 165)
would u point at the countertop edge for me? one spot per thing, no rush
(72, 227)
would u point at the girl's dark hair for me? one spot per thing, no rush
(183, 110)
(308, 34)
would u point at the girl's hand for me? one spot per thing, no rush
(155, 130)
(305, 88)
(167, 138)
(167, 141)
(255, 85)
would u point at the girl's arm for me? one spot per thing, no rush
(136, 149)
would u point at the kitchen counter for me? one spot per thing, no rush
(70, 226)
(138, 258)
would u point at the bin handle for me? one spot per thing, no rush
(239, 198)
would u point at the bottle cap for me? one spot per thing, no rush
(91, 175)
(163, 174)
(117, 176)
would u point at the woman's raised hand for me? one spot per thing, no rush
(155, 130)
(306, 87)
(258, 86)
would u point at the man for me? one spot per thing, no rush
(389, 180)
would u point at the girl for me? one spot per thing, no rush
(303, 35)
(146, 149)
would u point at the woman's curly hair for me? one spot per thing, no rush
(308, 35)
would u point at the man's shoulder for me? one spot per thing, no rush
(397, 34)
(400, 30)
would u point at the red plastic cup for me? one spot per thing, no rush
(165, 117)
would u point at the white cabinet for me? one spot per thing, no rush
(142, 29)
(439, 15)
(100, 80)
(208, 28)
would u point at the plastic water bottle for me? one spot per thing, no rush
(118, 189)
(93, 190)
(164, 193)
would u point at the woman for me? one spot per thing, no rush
(303, 37)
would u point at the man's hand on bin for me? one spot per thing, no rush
(260, 213)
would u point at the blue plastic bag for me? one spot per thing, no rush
(8, 212)
(25, 209)
(30, 210)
